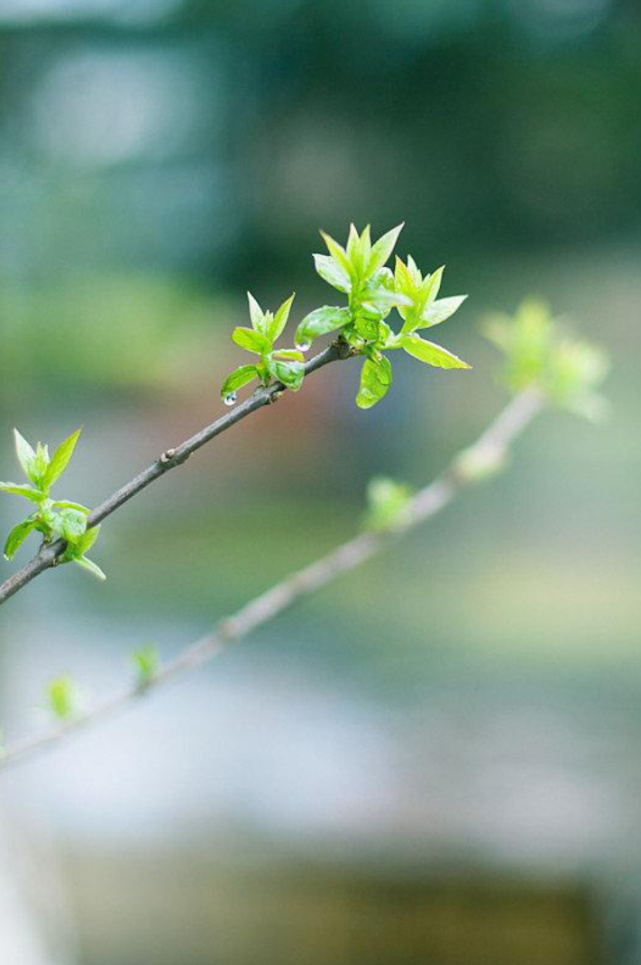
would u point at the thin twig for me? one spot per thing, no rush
(489, 449)
(51, 555)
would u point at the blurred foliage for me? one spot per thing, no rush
(540, 354)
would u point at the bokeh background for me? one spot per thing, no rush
(438, 759)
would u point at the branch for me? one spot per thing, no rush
(489, 450)
(51, 555)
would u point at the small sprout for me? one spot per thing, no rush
(146, 663)
(387, 501)
(76, 549)
(540, 354)
(53, 519)
(282, 365)
(63, 698)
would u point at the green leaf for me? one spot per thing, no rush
(146, 664)
(432, 285)
(321, 321)
(91, 567)
(35, 495)
(337, 253)
(290, 374)
(359, 248)
(432, 354)
(63, 698)
(66, 504)
(86, 541)
(70, 525)
(250, 340)
(26, 455)
(383, 249)
(280, 319)
(40, 466)
(403, 278)
(289, 354)
(238, 378)
(60, 459)
(17, 536)
(367, 327)
(332, 273)
(376, 378)
(256, 314)
(439, 311)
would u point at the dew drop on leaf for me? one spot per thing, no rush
(231, 398)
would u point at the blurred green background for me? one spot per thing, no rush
(436, 760)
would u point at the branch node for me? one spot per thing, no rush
(167, 456)
(344, 349)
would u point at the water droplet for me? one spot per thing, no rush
(231, 398)
(303, 346)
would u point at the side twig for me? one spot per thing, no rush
(490, 449)
(50, 556)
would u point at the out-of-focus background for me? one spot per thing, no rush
(438, 759)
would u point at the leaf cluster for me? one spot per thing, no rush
(52, 518)
(357, 270)
(541, 353)
(373, 291)
(282, 365)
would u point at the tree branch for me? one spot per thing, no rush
(489, 450)
(51, 555)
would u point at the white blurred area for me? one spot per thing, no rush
(263, 763)
(35, 927)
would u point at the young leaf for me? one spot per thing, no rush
(69, 524)
(86, 541)
(63, 698)
(40, 466)
(17, 536)
(250, 340)
(60, 459)
(439, 311)
(26, 455)
(376, 378)
(289, 354)
(358, 251)
(238, 378)
(332, 273)
(290, 374)
(66, 504)
(432, 354)
(280, 319)
(412, 267)
(383, 249)
(91, 567)
(338, 253)
(256, 314)
(322, 321)
(432, 285)
(403, 278)
(35, 495)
